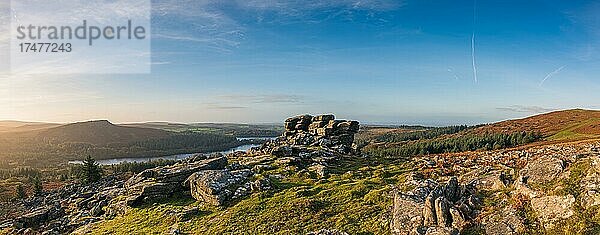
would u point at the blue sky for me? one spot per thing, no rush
(377, 61)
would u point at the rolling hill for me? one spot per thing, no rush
(101, 132)
(18, 126)
(574, 124)
(238, 130)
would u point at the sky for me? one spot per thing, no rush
(378, 61)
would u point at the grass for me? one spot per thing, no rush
(150, 219)
(357, 203)
(570, 132)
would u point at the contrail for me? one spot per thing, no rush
(473, 56)
(551, 74)
(473, 43)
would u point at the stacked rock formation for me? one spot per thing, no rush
(311, 143)
(322, 130)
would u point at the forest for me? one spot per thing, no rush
(452, 144)
(421, 134)
(27, 151)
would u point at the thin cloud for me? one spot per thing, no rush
(314, 11)
(525, 109)
(216, 41)
(160, 63)
(263, 99)
(205, 24)
(296, 6)
(217, 106)
(238, 102)
(551, 74)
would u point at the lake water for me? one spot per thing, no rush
(113, 161)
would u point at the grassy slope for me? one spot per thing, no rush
(355, 202)
(576, 124)
(101, 133)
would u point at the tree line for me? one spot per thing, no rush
(37, 153)
(421, 134)
(486, 141)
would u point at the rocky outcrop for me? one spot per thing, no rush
(542, 170)
(163, 182)
(39, 216)
(310, 143)
(488, 178)
(433, 208)
(591, 184)
(551, 209)
(216, 187)
(65, 209)
(505, 222)
(322, 130)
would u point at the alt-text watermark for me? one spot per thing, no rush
(80, 36)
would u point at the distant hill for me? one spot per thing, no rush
(18, 126)
(101, 133)
(238, 130)
(560, 125)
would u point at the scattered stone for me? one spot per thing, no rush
(507, 222)
(320, 170)
(407, 214)
(174, 229)
(261, 185)
(441, 231)
(327, 232)
(38, 217)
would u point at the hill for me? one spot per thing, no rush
(555, 127)
(101, 132)
(238, 130)
(18, 126)
(101, 139)
(575, 124)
